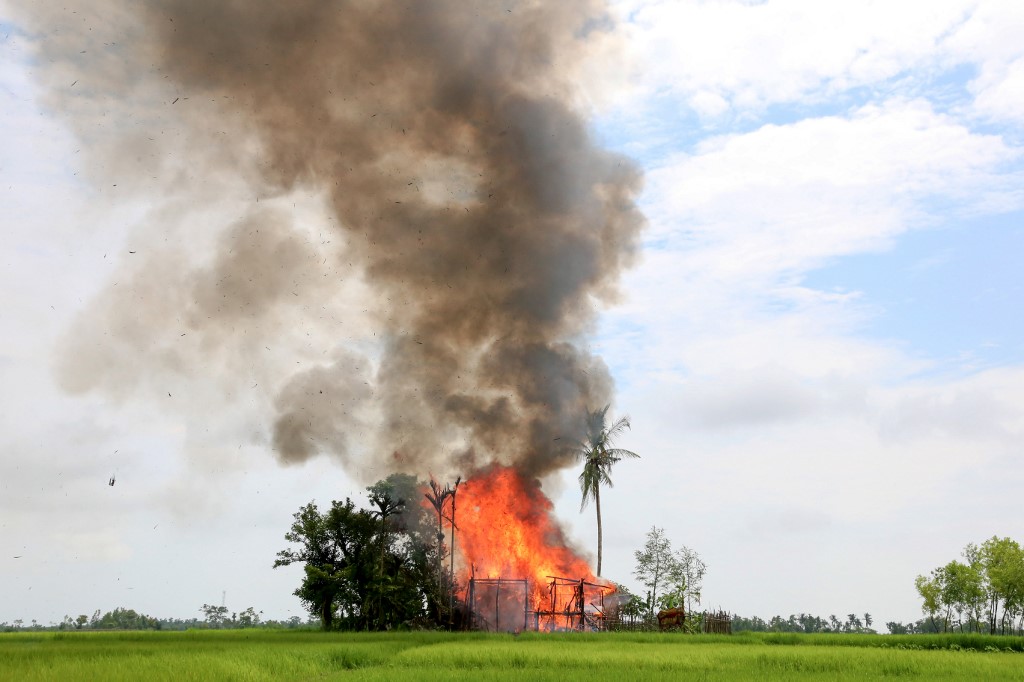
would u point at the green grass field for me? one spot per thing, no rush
(291, 655)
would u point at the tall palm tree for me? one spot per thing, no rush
(598, 457)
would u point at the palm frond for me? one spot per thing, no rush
(616, 429)
(597, 455)
(620, 453)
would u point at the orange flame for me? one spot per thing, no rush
(505, 529)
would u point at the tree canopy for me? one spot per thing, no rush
(983, 593)
(363, 569)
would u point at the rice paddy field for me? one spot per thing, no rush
(291, 655)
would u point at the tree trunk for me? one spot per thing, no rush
(597, 504)
(327, 615)
(451, 575)
(440, 568)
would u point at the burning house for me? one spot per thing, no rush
(515, 560)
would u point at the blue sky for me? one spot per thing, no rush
(940, 283)
(820, 346)
(942, 290)
(946, 293)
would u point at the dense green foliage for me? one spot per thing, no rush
(367, 569)
(983, 593)
(272, 655)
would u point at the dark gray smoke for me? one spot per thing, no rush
(462, 186)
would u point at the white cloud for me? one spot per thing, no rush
(990, 41)
(991, 32)
(751, 55)
(737, 224)
(732, 56)
(784, 198)
(1000, 92)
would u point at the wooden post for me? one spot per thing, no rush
(497, 591)
(526, 603)
(451, 592)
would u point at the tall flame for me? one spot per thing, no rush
(505, 529)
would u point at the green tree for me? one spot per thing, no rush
(249, 618)
(216, 616)
(961, 590)
(437, 498)
(327, 546)
(363, 569)
(686, 577)
(599, 456)
(813, 623)
(654, 565)
(931, 592)
(1002, 562)
(123, 619)
(386, 504)
(977, 592)
(895, 627)
(625, 606)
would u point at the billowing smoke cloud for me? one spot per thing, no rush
(460, 184)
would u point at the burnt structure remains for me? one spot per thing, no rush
(503, 605)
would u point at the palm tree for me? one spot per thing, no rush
(598, 457)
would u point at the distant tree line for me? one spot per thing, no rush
(129, 619)
(983, 593)
(852, 624)
(806, 623)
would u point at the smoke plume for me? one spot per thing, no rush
(464, 201)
